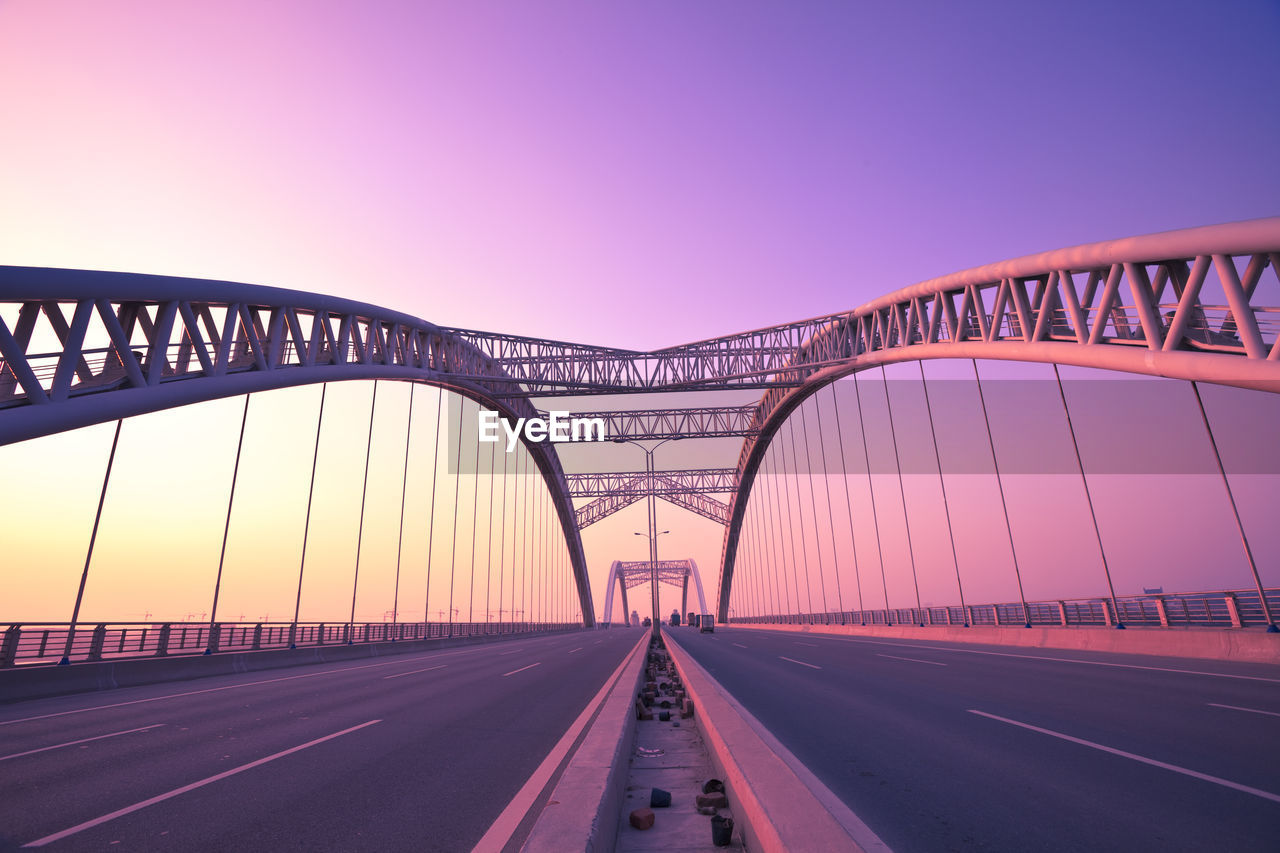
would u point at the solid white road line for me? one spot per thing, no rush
(1226, 783)
(1060, 660)
(578, 649)
(811, 645)
(89, 824)
(1238, 708)
(499, 834)
(233, 687)
(82, 740)
(739, 645)
(512, 652)
(521, 669)
(802, 663)
(915, 660)
(415, 671)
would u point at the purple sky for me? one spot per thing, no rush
(631, 175)
(622, 175)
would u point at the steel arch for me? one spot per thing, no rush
(166, 342)
(200, 340)
(636, 573)
(1038, 315)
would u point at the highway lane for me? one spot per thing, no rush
(418, 751)
(900, 731)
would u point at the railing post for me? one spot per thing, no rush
(969, 612)
(995, 614)
(9, 651)
(1233, 610)
(1106, 612)
(162, 642)
(257, 636)
(1062, 613)
(1163, 612)
(98, 641)
(215, 638)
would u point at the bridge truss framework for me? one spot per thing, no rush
(128, 344)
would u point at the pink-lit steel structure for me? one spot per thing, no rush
(118, 344)
(673, 572)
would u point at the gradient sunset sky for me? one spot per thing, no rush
(634, 175)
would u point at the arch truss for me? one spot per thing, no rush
(673, 572)
(85, 347)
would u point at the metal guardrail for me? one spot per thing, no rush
(43, 643)
(1239, 608)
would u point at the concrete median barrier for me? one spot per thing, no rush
(776, 808)
(586, 805)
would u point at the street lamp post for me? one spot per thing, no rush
(653, 521)
(653, 563)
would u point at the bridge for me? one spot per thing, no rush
(921, 586)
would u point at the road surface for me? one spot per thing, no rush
(940, 746)
(419, 751)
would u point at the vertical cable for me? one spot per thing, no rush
(502, 538)
(516, 513)
(761, 549)
(744, 583)
(807, 604)
(306, 525)
(831, 519)
(945, 506)
(791, 527)
(804, 536)
(1088, 497)
(767, 528)
(404, 489)
(364, 491)
(875, 515)
(226, 530)
(902, 491)
(539, 549)
(1026, 613)
(1235, 512)
(750, 577)
(431, 521)
(780, 550)
(848, 502)
(93, 537)
(475, 518)
(813, 504)
(453, 533)
(526, 548)
(753, 505)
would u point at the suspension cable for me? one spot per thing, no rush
(902, 492)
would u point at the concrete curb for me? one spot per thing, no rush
(39, 682)
(592, 785)
(1234, 644)
(775, 809)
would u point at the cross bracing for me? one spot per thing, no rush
(83, 347)
(701, 480)
(687, 489)
(691, 422)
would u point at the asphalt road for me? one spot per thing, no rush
(420, 751)
(930, 745)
